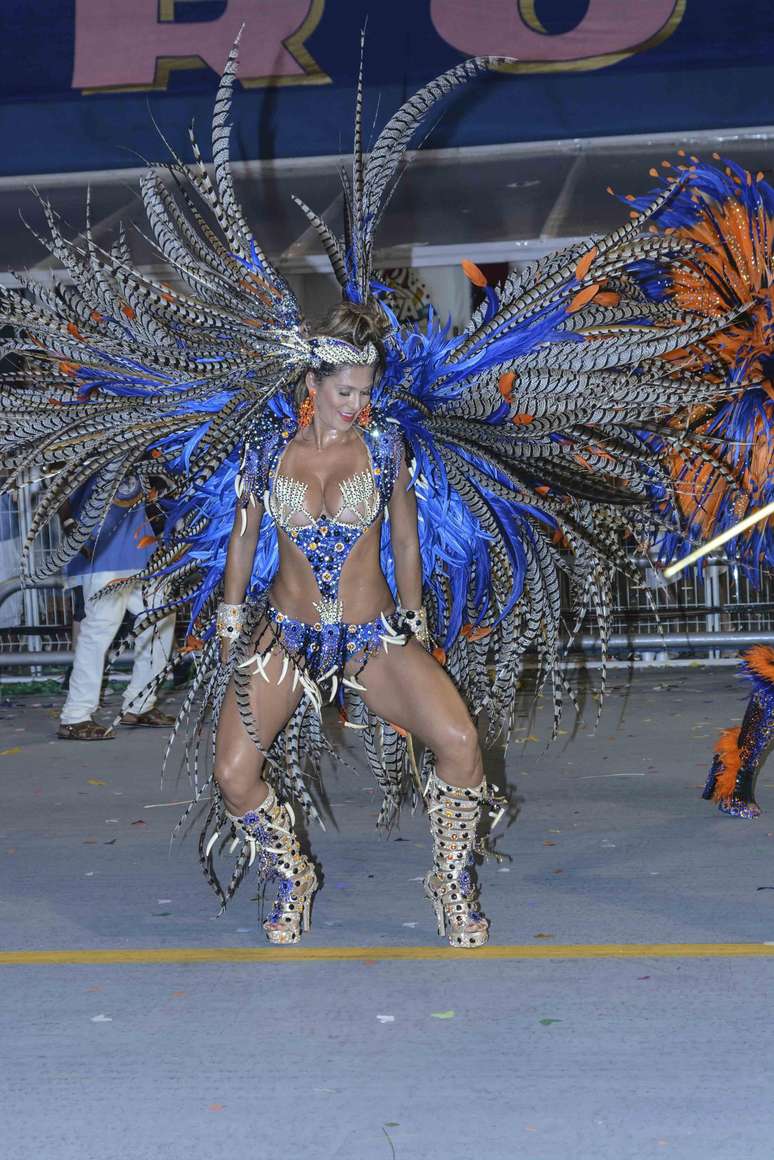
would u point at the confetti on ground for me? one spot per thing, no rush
(178, 994)
(386, 1018)
(101, 1019)
(443, 1014)
(504, 870)
(542, 934)
(217, 1107)
(10, 752)
(161, 805)
(548, 1022)
(413, 924)
(140, 822)
(549, 843)
(95, 781)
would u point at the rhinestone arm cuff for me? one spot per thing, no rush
(229, 621)
(415, 620)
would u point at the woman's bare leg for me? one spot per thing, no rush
(408, 688)
(238, 763)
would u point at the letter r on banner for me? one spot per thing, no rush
(135, 44)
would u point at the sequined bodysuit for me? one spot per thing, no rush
(324, 647)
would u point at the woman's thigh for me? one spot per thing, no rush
(271, 703)
(408, 688)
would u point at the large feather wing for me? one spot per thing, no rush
(540, 444)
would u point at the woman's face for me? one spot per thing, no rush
(340, 397)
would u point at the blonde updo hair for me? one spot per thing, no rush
(356, 324)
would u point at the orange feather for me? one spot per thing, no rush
(472, 272)
(727, 749)
(760, 660)
(583, 297)
(471, 632)
(584, 264)
(505, 385)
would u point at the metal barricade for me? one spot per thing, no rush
(705, 615)
(43, 613)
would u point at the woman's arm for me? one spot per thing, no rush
(404, 537)
(240, 557)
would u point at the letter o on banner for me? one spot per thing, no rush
(610, 31)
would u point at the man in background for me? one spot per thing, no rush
(122, 548)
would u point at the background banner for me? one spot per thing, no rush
(81, 81)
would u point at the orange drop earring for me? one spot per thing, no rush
(306, 411)
(365, 416)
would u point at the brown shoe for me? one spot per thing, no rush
(85, 731)
(152, 719)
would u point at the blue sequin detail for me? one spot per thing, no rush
(284, 894)
(329, 646)
(326, 546)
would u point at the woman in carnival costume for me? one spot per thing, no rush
(407, 499)
(729, 214)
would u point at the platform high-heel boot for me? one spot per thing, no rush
(455, 814)
(270, 829)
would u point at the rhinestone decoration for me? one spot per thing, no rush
(328, 646)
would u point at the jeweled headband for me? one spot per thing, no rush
(322, 350)
(337, 352)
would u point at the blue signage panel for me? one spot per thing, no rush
(82, 81)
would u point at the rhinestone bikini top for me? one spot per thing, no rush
(358, 495)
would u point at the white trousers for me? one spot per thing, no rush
(101, 623)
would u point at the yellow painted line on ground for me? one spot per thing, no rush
(151, 955)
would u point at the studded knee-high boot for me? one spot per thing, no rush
(455, 814)
(269, 829)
